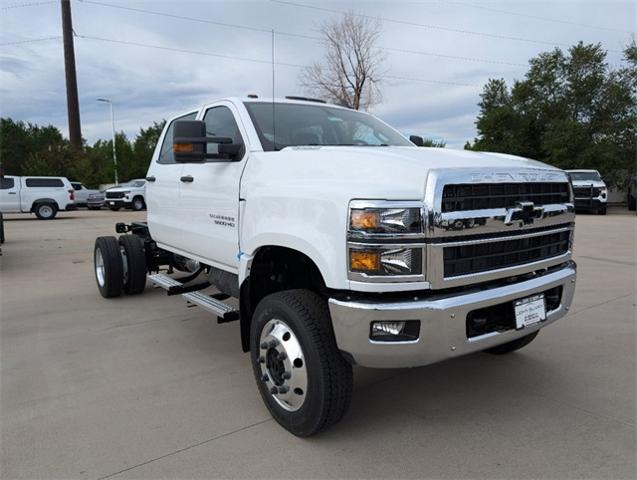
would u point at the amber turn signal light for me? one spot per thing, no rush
(182, 147)
(364, 261)
(364, 220)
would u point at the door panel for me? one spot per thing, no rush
(210, 202)
(10, 194)
(162, 195)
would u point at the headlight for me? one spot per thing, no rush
(385, 261)
(387, 221)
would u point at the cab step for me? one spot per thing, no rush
(223, 311)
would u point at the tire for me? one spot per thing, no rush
(115, 209)
(134, 278)
(46, 211)
(298, 321)
(514, 345)
(138, 204)
(601, 211)
(107, 263)
(632, 203)
(1, 229)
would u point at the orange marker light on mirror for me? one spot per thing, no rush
(364, 261)
(182, 147)
(364, 220)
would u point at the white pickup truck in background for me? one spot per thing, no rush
(44, 196)
(131, 195)
(335, 241)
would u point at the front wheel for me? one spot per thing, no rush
(514, 345)
(138, 204)
(303, 379)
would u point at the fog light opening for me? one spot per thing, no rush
(395, 331)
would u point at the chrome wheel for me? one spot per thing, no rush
(99, 267)
(282, 365)
(138, 204)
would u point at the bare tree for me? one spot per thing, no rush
(351, 70)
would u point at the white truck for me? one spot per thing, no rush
(44, 196)
(335, 241)
(589, 191)
(130, 195)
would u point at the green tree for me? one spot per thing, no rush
(571, 110)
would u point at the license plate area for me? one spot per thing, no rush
(529, 311)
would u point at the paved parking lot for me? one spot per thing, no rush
(143, 387)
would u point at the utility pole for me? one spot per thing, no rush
(72, 102)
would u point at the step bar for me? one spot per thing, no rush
(224, 312)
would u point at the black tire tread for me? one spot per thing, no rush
(136, 258)
(113, 270)
(313, 312)
(514, 345)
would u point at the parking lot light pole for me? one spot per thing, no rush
(110, 103)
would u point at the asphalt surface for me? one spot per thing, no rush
(143, 387)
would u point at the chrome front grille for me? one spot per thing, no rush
(463, 197)
(484, 226)
(491, 255)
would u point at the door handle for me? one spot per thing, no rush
(187, 179)
(13, 193)
(150, 179)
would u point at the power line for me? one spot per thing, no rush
(32, 4)
(31, 40)
(296, 35)
(423, 25)
(253, 60)
(535, 17)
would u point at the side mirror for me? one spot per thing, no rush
(190, 143)
(418, 141)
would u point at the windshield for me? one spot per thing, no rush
(586, 176)
(297, 125)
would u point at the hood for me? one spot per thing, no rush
(374, 172)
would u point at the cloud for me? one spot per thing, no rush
(148, 84)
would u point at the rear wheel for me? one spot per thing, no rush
(303, 379)
(514, 345)
(134, 278)
(46, 211)
(109, 270)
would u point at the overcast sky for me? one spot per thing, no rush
(148, 84)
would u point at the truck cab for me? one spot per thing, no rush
(345, 244)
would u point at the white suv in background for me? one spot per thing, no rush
(44, 196)
(127, 195)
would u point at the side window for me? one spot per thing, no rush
(166, 153)
(44, 182)
(220, 122)
(6, 183)
(76, 186)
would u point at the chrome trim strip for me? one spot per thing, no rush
(460, 243)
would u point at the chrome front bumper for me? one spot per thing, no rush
(442, 322)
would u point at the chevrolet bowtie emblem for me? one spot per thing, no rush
(524, 212)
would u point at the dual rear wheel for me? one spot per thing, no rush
(120, 265)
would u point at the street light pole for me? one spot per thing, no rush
(110, 104)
